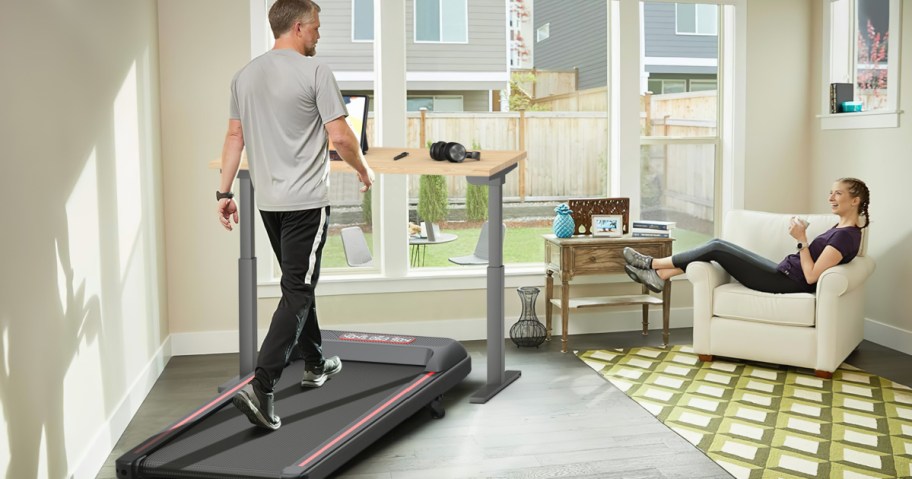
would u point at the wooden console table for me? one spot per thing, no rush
(588, 255)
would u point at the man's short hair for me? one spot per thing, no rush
(284, 14)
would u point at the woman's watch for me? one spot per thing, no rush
(800, 246)
(219, 196)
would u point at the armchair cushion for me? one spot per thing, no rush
(733, 300)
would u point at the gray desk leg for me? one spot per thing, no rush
(247, 274)
(498, 377)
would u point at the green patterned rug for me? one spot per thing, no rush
(758, 420)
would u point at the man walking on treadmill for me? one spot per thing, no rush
(284, 106)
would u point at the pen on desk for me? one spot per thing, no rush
(400, 155)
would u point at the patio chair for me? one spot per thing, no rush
(354, 244)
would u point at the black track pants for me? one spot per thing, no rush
(297, 238)
(749, 268)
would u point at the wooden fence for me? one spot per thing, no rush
(567, 151)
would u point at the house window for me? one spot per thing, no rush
(658, 87)
(861, 40)
(543, 32)
(703, 85)
(441, 21)
(362, 20)
(449, 103)
(696, 19)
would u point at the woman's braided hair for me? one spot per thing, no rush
(858, 189)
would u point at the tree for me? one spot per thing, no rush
(432, 198)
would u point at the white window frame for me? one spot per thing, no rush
(697, 31)
(624, 165)
(442, 22)
(842, 68)
(543, 32)
(389, 278)
(354, 11)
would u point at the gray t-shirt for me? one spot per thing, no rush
(283, 99)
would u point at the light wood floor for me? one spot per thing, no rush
(560, 419)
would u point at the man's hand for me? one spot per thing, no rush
(367, 179)
(227, 209)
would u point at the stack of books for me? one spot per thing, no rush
(651, 229)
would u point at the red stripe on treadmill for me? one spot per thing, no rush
(360, 423)
(194, 415)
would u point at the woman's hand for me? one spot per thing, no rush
(798, 229)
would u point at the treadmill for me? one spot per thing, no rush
(385, 379)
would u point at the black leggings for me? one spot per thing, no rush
(297, 238)
(749, 268)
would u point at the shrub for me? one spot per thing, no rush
(432, 198)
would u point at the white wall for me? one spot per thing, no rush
(203, 44)
(880, 157)
(778, 118)
(82, 326)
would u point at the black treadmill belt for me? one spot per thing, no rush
(226, 441)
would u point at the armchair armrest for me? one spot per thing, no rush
(705, 274)
(840, 311)
(845, 277)
(705, 277)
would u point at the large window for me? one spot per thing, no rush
(680, 138)
(862, 40)
(441, 21)
(570, 112)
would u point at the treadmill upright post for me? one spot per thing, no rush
(247, 334)
(498, 377)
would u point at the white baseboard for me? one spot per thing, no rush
(596, 320)
(100, 446)
(888, 336)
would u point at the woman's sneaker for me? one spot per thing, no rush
(257, 405)
(314, 378)
(646, 277)
(637, 260)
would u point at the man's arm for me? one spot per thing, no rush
(231, 161)
(349, 148)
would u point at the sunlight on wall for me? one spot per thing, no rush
(83, 231)
(126, 150)
(82, 284)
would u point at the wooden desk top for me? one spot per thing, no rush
(419, 162)
(594, 240)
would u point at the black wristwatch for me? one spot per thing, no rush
(800, 246)
(219, 195)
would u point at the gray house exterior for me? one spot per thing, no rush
(578, 38)
(470, 69)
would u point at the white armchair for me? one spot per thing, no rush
(810, 330)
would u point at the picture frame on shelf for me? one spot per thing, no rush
(611, 226)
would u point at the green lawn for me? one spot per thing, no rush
(521, 245)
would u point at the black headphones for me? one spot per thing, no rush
(452, 152)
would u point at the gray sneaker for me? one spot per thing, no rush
(637, 260)
(258, 406)
(647, 277)
(314, 378)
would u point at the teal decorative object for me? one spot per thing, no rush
(563, 222)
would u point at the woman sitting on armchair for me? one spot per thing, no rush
(797, 273)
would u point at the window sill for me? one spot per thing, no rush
(439, 279)
(859, 121)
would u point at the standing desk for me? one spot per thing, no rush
(491, 171)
